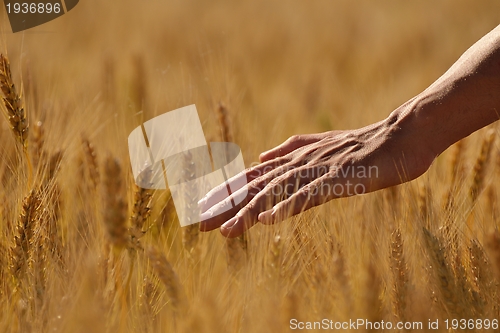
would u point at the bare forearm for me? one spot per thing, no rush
(401, 147)
(463, 100)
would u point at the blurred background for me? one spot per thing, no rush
(279, 68)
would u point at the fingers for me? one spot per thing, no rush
(296, 204)
(219, 193)
(224, 210)
(217, 207)
(290, 145)
(274, 192)
(258, 189)
(241, 180)
(313, 194)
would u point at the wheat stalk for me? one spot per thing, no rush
(480, 166)
(38, 260)
(114, 205)
(480, 276)
(24, 233)
(12, 101)
(190, 232)
(108, 81)
(478, 264)
(140, 88)
(141, 209)
(236, 247)
(442, 275)
(38, 142)
(493, 246)
(90, 157)
(167, 276)
(456, 172)
(424, 203)
(400, 275)
(14, 110)
(168, 214)
(372, 295)
(275, 253)
(341, 275)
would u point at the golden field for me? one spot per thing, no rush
(83, 250)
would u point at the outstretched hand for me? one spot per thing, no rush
(309, 170)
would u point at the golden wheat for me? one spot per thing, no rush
(442, 275)
(24, 233)
(352, 257)
(400, 275)
(114, 206)
(91, 161)
(12, 101)
(168, 277)
(190, 233)
(480, 167)
(141, 210)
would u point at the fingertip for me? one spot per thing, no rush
(264, 157)
(231, 232)
(226, 229)
(234, 227)
(266, 217)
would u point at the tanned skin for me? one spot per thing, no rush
(303, 172)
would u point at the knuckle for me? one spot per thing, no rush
(274, 182)
(247, 210)
(255, 186)
(282, 160)
(294, 138)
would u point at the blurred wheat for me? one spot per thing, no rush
(82, 248)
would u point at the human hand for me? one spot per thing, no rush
(309, 170)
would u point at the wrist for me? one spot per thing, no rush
(413, 142)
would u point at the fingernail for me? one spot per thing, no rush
(274, 211)
(230, 223)
(261, 216)
(264, 216)
(202, 201)
(208, 214)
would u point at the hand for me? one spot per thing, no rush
(309, 170)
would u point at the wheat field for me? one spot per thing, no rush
(83, 249)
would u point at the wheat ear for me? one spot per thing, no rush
(442, 275)
(12, 102)
(14, 110)
(115, 207)
(400, 275)
(457, 173)
(480, 166)
(372, 295)
(167, 276)
(236, 247)
(190, 232)
(493, 247)
(38, 142)
(24, 233)
(141, 210)
(275, 260)
(90, 156)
